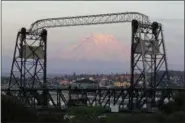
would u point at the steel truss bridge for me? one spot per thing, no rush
(148, 58)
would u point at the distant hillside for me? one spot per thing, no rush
(176, 73)
(171, 73)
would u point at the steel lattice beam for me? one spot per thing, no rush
(99, 97)
(89, 20)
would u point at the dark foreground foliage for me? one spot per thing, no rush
(14, 111)
(90, 115)
(178, 104)
(86, 114)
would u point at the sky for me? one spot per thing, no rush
(21, 14)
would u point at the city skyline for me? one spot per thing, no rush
(65, 38)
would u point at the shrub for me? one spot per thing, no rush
(51, 117)
(13, 110)
(169, 107)
(180, 101)
(176, 117)
(177, 105)
(129, 118)
(85, 114)
(83, 110)
(159, 117)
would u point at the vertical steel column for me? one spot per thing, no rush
(165, 57)
(14, 60)
(44, 38)
(130, 91)
(44, 86)
(23, 38)
(154, 26)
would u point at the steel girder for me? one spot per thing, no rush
(88, 20)
(60, 98)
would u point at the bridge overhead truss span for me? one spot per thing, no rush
(89, 20)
